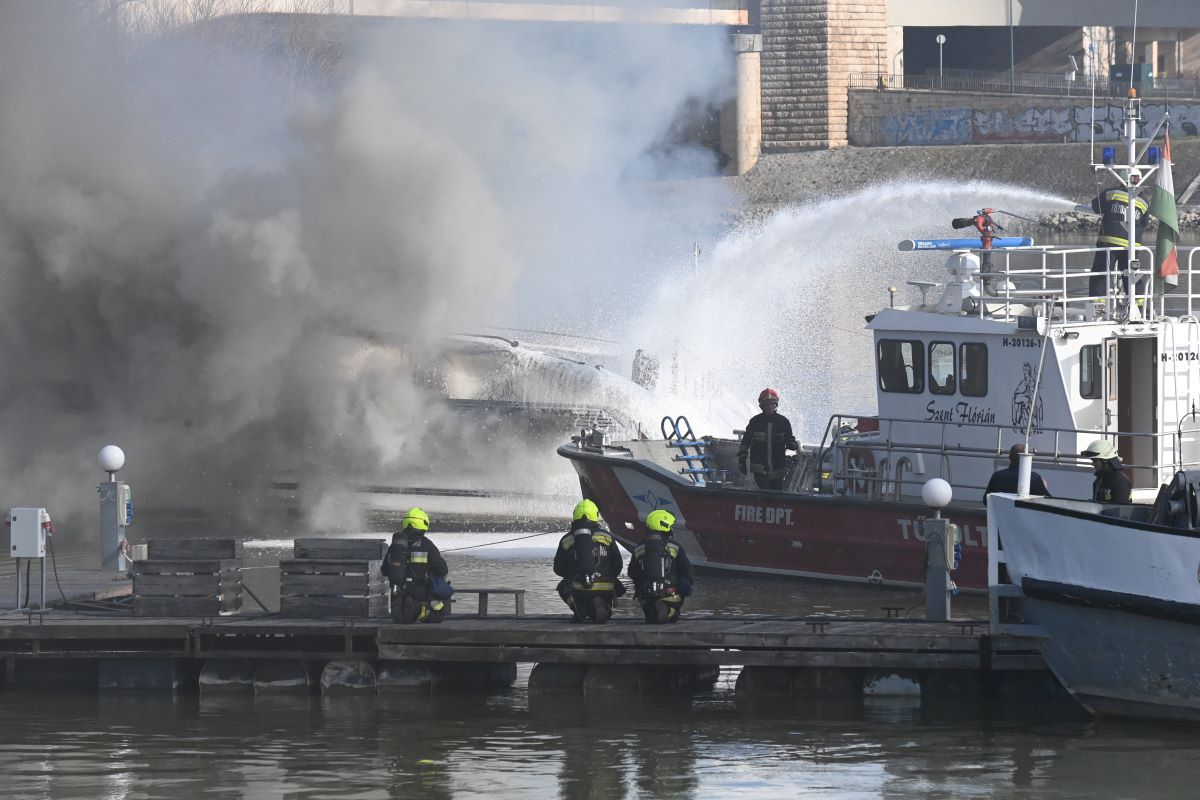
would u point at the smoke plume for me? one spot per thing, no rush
(198, 229)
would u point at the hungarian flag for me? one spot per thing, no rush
(1162, 206)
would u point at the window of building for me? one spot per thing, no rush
(901, 365)
(941, 367)
(973, 369)
(1089, 372)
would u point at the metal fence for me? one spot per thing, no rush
(1023, 83)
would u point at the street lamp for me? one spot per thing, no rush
(941, 40)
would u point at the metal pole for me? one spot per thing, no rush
(941, 40)
(1012, 53)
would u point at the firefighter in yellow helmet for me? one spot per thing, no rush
(1111, 485)
(660, 570)
(417, 572)
(589, 564)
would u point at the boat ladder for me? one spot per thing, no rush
(693, 452)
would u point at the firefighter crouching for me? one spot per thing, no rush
(417, 572)
(660, 570)
(589, 564)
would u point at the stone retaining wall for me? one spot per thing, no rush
(898, 118)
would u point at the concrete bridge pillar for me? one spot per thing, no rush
(742, 134)
(810, 50)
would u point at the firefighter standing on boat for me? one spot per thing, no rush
(417, 572)
(768, 435)
(660, 570)
(1111, 484)
(1113, 207)
(589, 564)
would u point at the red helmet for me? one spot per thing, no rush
(768, 395)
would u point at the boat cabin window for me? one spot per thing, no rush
(941, 367)
(1089, 372)
(973, 369)
(901, 365)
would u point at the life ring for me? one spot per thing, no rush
(860, 469)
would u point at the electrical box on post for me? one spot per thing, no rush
(28, 527)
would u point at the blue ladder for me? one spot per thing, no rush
(678, 433)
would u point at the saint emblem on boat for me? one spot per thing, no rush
(1025, 403)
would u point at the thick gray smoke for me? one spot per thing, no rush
(192, 232)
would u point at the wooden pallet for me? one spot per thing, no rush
(188, 578)
(332, 586)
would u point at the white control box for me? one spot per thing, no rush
(28, 527)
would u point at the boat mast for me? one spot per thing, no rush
(1133, 115)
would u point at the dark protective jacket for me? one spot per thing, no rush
(676, 567)
(415, 561)
(1113, 206)
(766, 438)
(1112, 485)
(606, 558)
(1005, 480)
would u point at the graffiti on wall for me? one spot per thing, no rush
(935, 126)
(962, 125)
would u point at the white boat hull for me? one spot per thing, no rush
(1118, 600)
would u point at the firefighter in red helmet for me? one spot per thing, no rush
(768, 435)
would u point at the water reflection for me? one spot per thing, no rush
(122, 745)
(516, 744)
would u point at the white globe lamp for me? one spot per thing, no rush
(112, 458)
(937, 493)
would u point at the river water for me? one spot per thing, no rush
(514, 745)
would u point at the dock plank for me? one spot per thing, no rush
(330, 566)
(343, 548)
(552, 639)
(187, 549)
(320, 584)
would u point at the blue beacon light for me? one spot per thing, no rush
(1110, 156)
(1153, 155)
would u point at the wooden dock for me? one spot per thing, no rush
(269, 652)
(715, 640)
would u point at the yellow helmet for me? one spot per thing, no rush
(660, 520)
(586, 509)
(1102, 449)
(415, 518)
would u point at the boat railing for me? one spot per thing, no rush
(873, 463)
(1059, 284)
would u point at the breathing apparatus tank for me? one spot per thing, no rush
(657, 562)
(585, 561)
